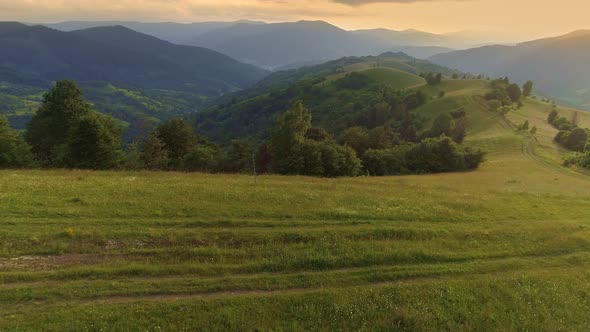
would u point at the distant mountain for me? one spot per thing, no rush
(558, 65)
(177, 33)
(118, 55)
(286, 45)
(274, 45)
(406, 37)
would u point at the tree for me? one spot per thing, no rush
(154, 154)
(178, 138)
(14, 151)
(460, 130)
(525, 126)
(240, 156)
(527, 89)
(494, 105)
(552, 116)
(201, 158)
(132, 157)
(383, 138)
(432, 79)
(50, 127)
(287, 138)
(94, 143)
(514, 92)
(357, 138)
(319, 135)
(577, 139)
(533, 130)
(293, 153)
(443, 125)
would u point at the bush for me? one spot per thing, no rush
(14, 151)
(433, 155)
(201, 158)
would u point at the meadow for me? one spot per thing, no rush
(506, 247)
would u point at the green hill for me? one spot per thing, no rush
(336, 92)
(505, 247)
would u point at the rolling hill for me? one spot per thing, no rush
(322, 88)
(503, 247)
(557, 65)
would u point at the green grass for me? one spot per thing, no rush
(506, 247)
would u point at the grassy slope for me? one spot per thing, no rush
(502, 248)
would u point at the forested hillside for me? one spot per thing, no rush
(135, 77)
(339, 94)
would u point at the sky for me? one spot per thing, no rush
(502, 19)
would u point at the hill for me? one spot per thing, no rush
(287, 45)
(120, 55)
(332, 95)
(557, 65)
(503, 247)
(177, 33)
(133, 76)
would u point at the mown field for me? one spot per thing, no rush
(506, 247)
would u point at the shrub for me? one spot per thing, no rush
(433, 155)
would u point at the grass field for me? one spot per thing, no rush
(506, 247)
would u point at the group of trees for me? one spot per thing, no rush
(432, 155)
(297, 148)
(570, 135)
(505, 94)
(65, 132)
(432, 78)
(14, 151)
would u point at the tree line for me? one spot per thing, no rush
(66, 132)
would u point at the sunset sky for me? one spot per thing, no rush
(506, 18)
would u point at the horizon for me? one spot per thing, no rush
(475, 33)
(492, 20)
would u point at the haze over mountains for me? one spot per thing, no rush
(118, 55)
(558, 65)
(291, 44)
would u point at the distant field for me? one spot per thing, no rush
(506, 247)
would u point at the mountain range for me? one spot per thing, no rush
(118, 55)
(291, 44)
(557, 65)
